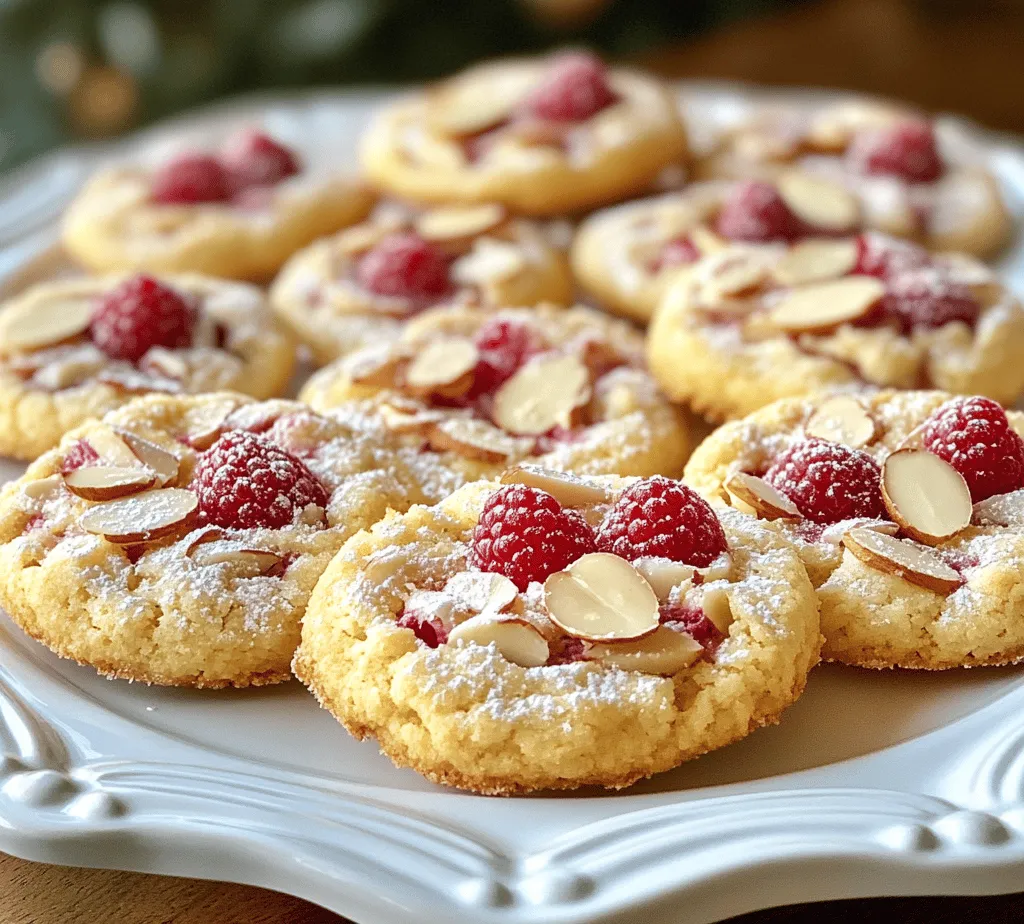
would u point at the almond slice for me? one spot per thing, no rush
(43, 488)
(707, 241)
(758, 496)
(164, 463)
(568, 489)
(377, 368)
(663, 652)
(601, 597)
(517, 640)
(205, 422)
(228, 552)
(716, 605)
(488, 262)
(361, 238)
(924, 494)
(730, 274)
(998, 510)
(842, 419)
(824, 306)
(815, 261)
(819, 202)
(111, 448)
(406, 420)
(663, 574)
(482, 592)
(467, 106)
(545, 393)
(475, 439)
(33, 326)
(833, 534)
(105, 482)
(444, 366)
(911, 562)
(457, 222)
(143, 517)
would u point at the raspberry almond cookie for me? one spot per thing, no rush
(553, 631)
(238, 213)
(543, 137)
(910, 180)
(564, 388)
(761, 322)
(356, 288)
(76, 349)
(177, 540)
(907, 508)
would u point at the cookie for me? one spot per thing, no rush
(911, 179)
(237, 214)
(356, 288)
(75, 349)
(754, 323)
(542, 634)
(907, 508)
(543, 137)
(564, 388)
(177, 540)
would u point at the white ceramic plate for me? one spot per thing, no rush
(875, 783)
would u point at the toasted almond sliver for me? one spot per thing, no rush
(924, 494)
(545, 393)
(732, 273)
(516, 639)
(601, 597)
(482, 592)
(205, 422)
(842, 419)
(489, 261)
(568, 489)
(716, 605)
(43, 487)
(833, 534)
(105, 482)
(218, 552)
(375, 367)
(111, 448)
(663, 652)
(42, 324)
(663, 574)
(142, 518)
(402, 420)
(819, 202)
(998, 510)
(760, 497)
(466, 106)
(361, 238)
(909, 561)
(815, 260)
(164, 463)
(475, 439)
(457, 222)
(442, 363)
(824, 306)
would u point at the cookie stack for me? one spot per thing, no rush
(475, 536)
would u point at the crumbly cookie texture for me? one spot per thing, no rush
(957, 205)
(490, 259)
(463, 714)
(54, 376)
(874, 613)
(752, 324)
(476, 138)
(186, 604)
(602, 412)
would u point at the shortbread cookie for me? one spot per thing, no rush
(555, 631)
(628, 256)
(355, 289)
(754, 323)
(544, 137)
(564, 388)
(910, 180)
(876, 492)
(238, 214)
(76, 349)
(177, 540)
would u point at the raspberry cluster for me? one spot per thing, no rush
(139, 314)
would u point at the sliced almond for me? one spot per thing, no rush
(361, 238)
(33, 326)
(732, 273)
(815, 260)
(205, 422)
(833, 534)
(715, 603)
(111, 448)
(602, 597)
(482, 592)
(664, 652)
(568, 489)
(488, 262)
(154, 457)
(458, 222)
(228, 552)
(758, 496)
(43, 488)
(443, 366)
(998, 510)
(105, 482)
(205, 534)
(142, 518)
(904, 559)
(146, 382)
(706, 241)
(663, 574)
(516, 639)
(376, 368)
(406, 420)
(924, 494)
(819, 202)
(475, 439)
(547, 392)
(842, 419)
(824, 306)
(467, 106)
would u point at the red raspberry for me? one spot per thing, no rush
(692, 621)
(255, 159)
(525, 534)
(664, 518)
(429, 630)
(828, 482)
(755, 212)
(244, 481)
(567, 650)
(975, 437)
(574, 88)
(78, 456)
(881, 256)
(925, 298)
(679, 252)
(405, 266)
(190, 178)
(907, 150)
(504, 346)
(139, 314)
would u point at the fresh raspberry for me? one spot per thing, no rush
(925, 299)
(139, 314)
(663, 518)
(692, 621)
(679, 252)
(255, 159)
(79, 456)
(881, 256)
(504, 346)
(756, 212)
(429, 630)
(975, 437)
(574, 88)
(190, 178)
(828, 482)
(906, 150)
(405, 266)
(244, 481)
(525, 534)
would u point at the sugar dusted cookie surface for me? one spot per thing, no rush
(907, 509)
(497, 685)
